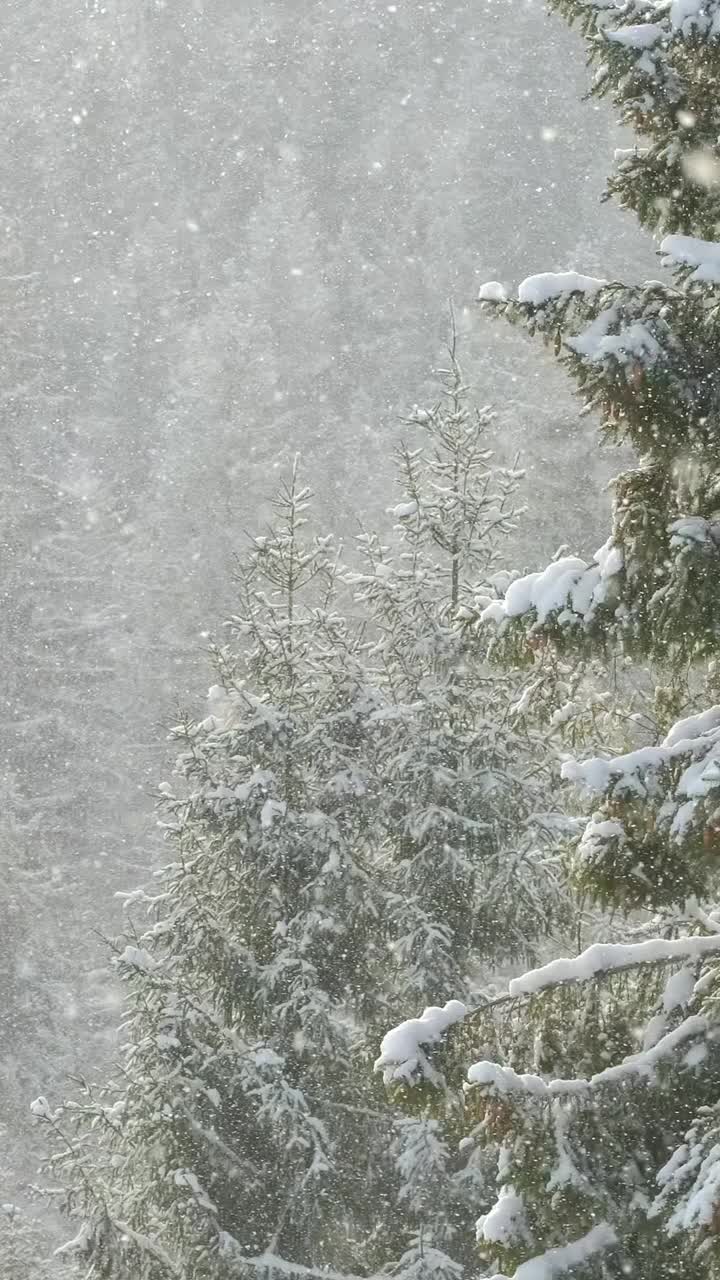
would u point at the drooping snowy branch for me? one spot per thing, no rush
(558, 1262)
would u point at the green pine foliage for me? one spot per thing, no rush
(644, 356)
(594, 1082)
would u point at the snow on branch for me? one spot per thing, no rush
(680, 20)
(271, 1264)
(642, 35)
(609, 957)
(557, 1262)
(537, 290)
(688, 17)
(504, 1080)
(546, 286)
(402, 1052)
(569, 587)
(659, 807)
(693, 743)
(687, 251)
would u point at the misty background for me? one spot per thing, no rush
(229, 231)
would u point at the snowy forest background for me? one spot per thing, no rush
(229, 233)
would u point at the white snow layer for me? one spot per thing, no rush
(556, 1262)
(568, 583)
(688, 15)
(505, 1224)
(401, 1051)
(633, 343)
(641, 36)
(539, 289)
(693, 529)
(137, 958)
(492, 291)
(685, 17)
(693, 726)
(698, 1162)
(605, 957)
(596, 834)
(679, 990)
(703, 255)
(404, 510)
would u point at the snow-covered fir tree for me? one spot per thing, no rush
(238, 1137)
(596, 1079)
(469, 836)
(468, 816)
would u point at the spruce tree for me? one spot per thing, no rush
(596, 1078)
(238, 1137)
(468, 809)
(469, 824)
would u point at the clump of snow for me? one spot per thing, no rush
(137, 958)
(492, 291)
(610, 559)
(588, 342)
(520, 595)
(679, 990)
(267, 1057)
(696, 1055)
(519, 707)
(686, 15)
(271, 810)
(690, 529)
(562, 714)
(401, 1051)
(544, 591)
(655, 1029)
(693, 727)
(404, 510)
(40, 1107)
(548, 285)
(222, 709)
(643, 35)
(596, 835)
(683, 818)
(569, 586)
(634, 342)
(596, 343)
(557, 1262)
(494, 612)
(77, 1244)
(710, 776)
(506, 1223)
(703, 255)
(506, 1081)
